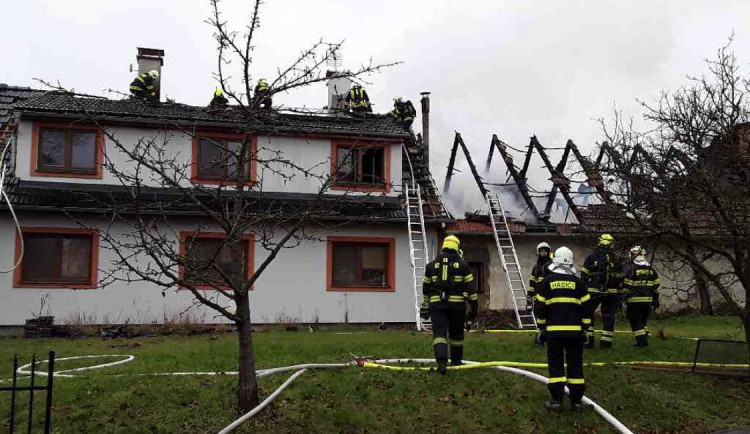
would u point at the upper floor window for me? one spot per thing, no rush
(361, 167)
(220, 159)
(57, 257)
(66, 150)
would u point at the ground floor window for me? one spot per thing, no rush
(211, 261)
(57, 257)
(361, 264)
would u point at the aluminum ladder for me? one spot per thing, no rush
(418, 252)
(508, 257)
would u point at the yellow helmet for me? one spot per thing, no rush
(218, 92)
(451, 242)
(606, 240)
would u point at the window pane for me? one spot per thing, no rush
(233, 161)
(344, 264)
(84, 150)
(202, 254)
(374, 265)
(346, 164)
(41, 255)
(52, 148)
(210, 159)
(373, 167)
(76, 259)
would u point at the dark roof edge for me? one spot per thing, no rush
(204, 124)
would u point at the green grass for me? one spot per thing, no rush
(359, 400)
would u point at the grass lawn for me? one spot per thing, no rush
(359, 400)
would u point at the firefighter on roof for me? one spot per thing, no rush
(144, 86)
(263, 95)
(602, 274)
(219, 100)
(446, 279)
(563, 315)
(641, 291)
(404, 112)
(357, 100)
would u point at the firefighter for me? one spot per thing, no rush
(404, 112)
(263, 95)
(144, 86)
(357, 100)
(446, 280)
(641, 291)
(219, 100)
(538, 273)
(563, 314)
(602, 274)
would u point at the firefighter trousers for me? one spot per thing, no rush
(448, 329)
(610, 304)
(637, 314)
(562, 351)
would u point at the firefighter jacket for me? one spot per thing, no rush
(404, 111)
(641, 283)
(602, 272)
(358, 98)
(446, 279)
(143, 86)
(562, 307)
(538, 273)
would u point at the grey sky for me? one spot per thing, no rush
(514, 68)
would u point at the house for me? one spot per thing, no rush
(356, 268)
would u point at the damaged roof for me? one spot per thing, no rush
(61, 103)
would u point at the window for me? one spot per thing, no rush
(361, 167)
(205, 252)
(361, 264)
(57, 258)
(63, 150)
(217, 159)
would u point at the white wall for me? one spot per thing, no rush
(312, 154)
(293, 288)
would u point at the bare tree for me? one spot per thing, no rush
(686, 181)
(157, 189)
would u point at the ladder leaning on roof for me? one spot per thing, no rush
(508, 257)
(418, 253)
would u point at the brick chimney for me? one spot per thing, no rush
(148, 59)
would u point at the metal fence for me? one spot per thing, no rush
(32, 389)
(721, 357)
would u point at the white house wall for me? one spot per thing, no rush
(293, 288)
(311, 154)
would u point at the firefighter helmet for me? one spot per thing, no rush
(543, 245)
(637, 251)
(563, 256)
(606, 240)
(154, 74)
(218, 92)
(451, 242)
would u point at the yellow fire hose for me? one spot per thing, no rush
(661, 364)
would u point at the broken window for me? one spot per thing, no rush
(208, 260)
(360, 165)
(67, 151)
(57, 259)
(223, 160)
(360, 264)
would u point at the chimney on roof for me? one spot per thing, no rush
(338, 87)
(426, 127)
(148, 59)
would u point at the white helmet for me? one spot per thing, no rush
(154, 74)
(563, 256)
(637, 251)
(543, 245)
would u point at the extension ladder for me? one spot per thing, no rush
(508, 257)
(418, 252)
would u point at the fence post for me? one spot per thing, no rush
(13, 394)
(31, 392)
(50, 379)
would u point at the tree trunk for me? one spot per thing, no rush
(703, 294)
(247, 388)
